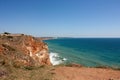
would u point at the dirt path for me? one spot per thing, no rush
(82, 73)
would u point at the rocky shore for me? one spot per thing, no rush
(24, 57)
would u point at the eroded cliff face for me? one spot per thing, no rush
(23, 50)
(36, 49)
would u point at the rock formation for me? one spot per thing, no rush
(23, 50)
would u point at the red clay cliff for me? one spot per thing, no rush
(23, 49)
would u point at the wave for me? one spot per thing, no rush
(56, 59)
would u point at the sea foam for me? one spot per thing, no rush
(56, 59)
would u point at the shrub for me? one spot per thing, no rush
(6, 33)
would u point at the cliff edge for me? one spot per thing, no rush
(23, 50)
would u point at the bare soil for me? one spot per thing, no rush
(84, 73)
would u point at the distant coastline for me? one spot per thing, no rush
(46, 38)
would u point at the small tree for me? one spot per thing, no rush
(6, 33)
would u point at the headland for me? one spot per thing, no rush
(24, 57)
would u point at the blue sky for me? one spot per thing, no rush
(72, 18)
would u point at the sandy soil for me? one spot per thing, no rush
(83, 73)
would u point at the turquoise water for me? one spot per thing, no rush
(86, 51)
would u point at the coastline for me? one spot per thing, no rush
(16, 62)
(86, 52)
(45, 38)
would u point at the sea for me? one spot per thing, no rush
(89, 52)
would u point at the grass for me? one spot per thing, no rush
(34, 73)
(10, 72)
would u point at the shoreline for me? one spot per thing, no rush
(46, 38)
(21, 62)
(74, 51)
(63, 62)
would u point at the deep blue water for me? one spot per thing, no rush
(87, 51)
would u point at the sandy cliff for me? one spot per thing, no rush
(23, 50)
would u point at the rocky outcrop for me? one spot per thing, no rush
(23, 50)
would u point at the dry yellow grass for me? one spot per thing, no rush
(34, 73)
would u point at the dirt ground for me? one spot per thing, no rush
(83, 73)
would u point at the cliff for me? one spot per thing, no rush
(23, 50)
(22, 58)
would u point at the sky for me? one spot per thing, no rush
(61, 18)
